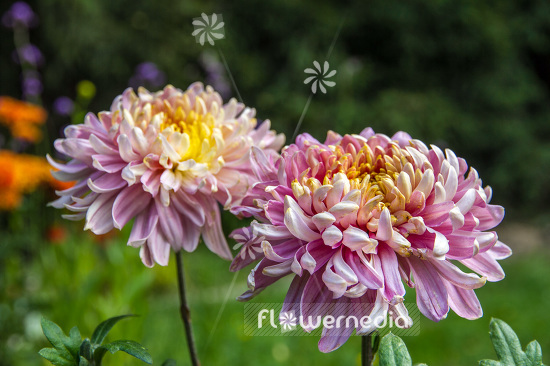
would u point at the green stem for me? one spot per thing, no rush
(184, 312)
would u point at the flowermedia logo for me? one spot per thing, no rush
(208, 28)
(319, 77)
(268, 319)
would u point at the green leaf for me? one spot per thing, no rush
(506, 344)
(508, 348)
(52, 355)
(534, 353)
(86, 350)
(58, 339)
(105, 327)
(130, 347)
(83, 362)
(169, 362)
(72, 342)
(393, 352)
(489, 363)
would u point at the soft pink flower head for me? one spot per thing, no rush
(165, 159)
(352, 218)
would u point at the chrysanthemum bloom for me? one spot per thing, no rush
(354, 216)
(165, 159)
(20, 174)
(23, 119)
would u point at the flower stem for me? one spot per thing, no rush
(367, 353)
(184, 311)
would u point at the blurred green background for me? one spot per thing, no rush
(470, 75)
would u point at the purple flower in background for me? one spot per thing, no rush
(20, 13)
(63, 106)
(30, 54)
(147, 74)
(32, 85)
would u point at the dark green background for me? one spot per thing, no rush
(470, 75)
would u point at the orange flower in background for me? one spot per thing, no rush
(20, 174)
(23, 119)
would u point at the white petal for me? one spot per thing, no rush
(298, 227)
(323, 220)
(343, 208)
(385, 230)
(335, 283)
(332, 236)
(357, 239)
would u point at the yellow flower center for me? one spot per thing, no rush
(199, 129)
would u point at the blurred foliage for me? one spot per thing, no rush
(470, 75)
(83, 281)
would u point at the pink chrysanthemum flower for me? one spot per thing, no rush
(165, 159)
(354, 216)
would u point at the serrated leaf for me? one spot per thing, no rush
(57, 338)
(506, 344)
(169, 362)
(105, 327)
(508, 348)
(489, 363)
(83, 362)
(52, 355)
(393, 352)
(533, 351)
(130, 347)
(73, 341)
(86, 350)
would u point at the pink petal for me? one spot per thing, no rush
(159, 247)
(125, 149)
(435, 214)
(143, 226)
(320, 252)
(214, 237)
(500, 251)
(274, 211)
(146, 257)
(453, 274)
(191, 235)
(151, 181)
(393, 286)
(98, 217)
(189, 207)
(106, 183)
(431, 295)
(464, 302)
(334, 338)
(108, 163)
(170, 224)
(489, 217)
(129, 202)
(342, 269)
(298, 227)
(365, 272)
(294, 294)
(485, 265)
